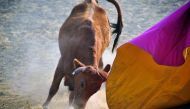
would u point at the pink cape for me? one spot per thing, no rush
(166, 40)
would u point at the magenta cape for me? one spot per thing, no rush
(166, 40)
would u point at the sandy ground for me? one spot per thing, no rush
(9, 100)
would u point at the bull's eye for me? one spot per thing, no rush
(82, 84)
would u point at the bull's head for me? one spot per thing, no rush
(87, 81)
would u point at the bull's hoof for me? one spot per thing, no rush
(45, 106)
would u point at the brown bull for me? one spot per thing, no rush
(84, 36)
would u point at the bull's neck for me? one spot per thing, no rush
(93, 57)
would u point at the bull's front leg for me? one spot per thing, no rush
(71, 97)
(59, 74)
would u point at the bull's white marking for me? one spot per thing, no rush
(81, 69)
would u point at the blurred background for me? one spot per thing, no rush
(29, 49)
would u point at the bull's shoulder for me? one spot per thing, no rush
(76, 24)
(82, 28)
(86, 30)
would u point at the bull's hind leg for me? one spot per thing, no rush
(59, 74)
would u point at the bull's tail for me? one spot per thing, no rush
(117, 27)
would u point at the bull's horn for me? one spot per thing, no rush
(78, 70)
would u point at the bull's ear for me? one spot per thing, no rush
(77, 63)
(107, 68)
